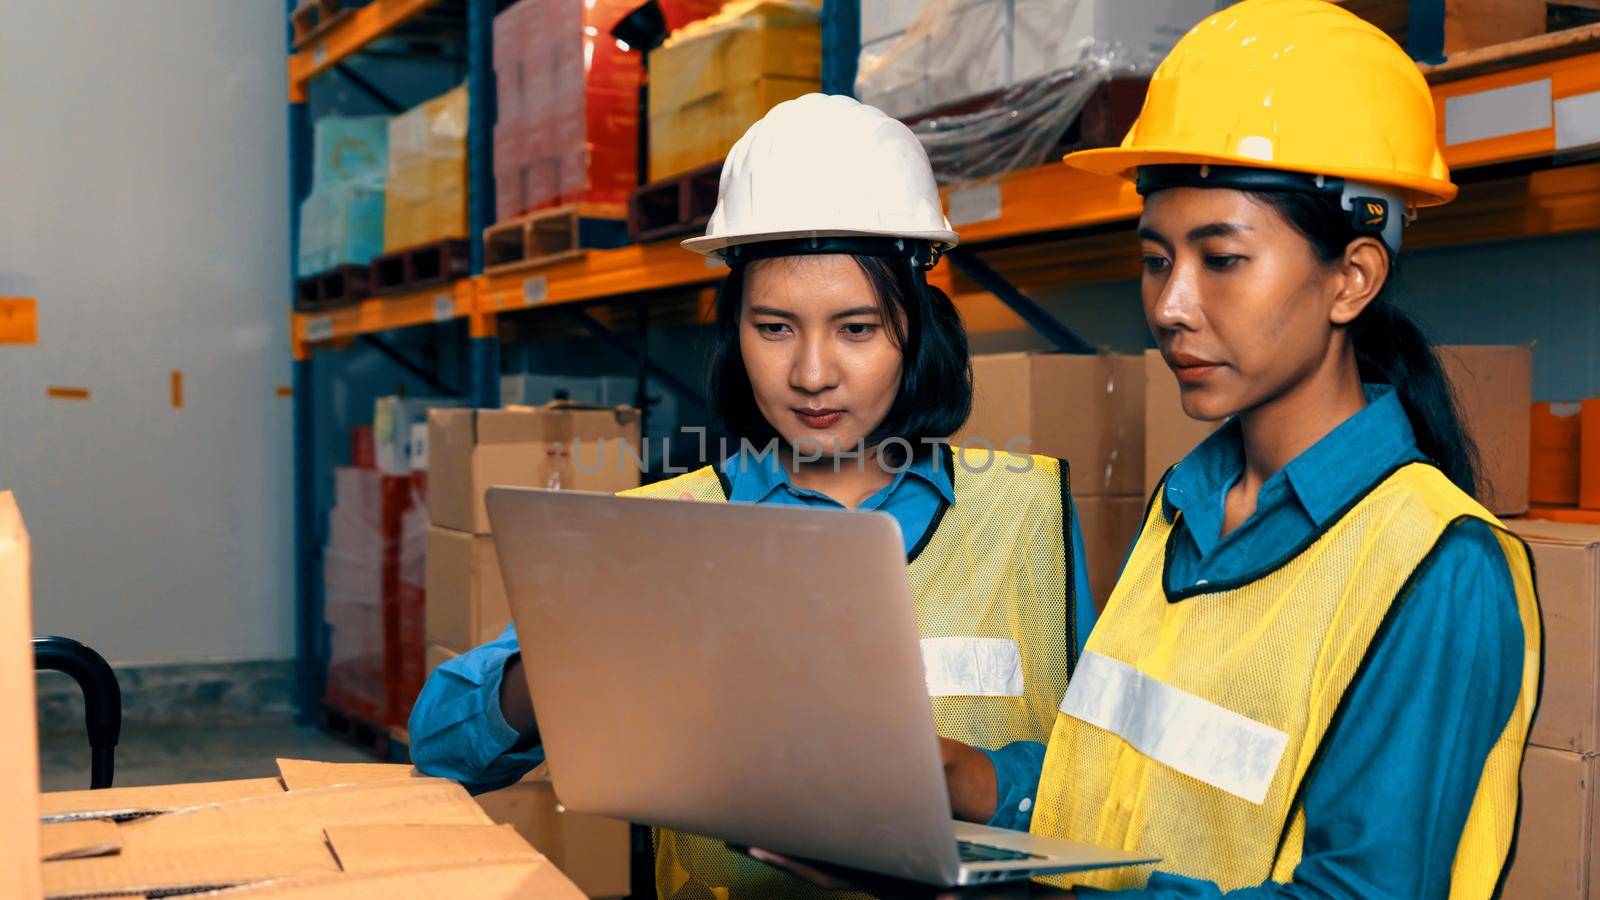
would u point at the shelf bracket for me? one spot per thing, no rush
(405, 362)
(618, 343)
(1060, 336)
(368, 88)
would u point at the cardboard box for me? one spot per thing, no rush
(591, 850)
(1493, 386)
(566, 447)
(1556, 835)
(1555, 444)
(1566, 561)
(319, 830)
(1088, 410)
(20, 843)
(1589, 455)
(1169, 433)
(1110, 526)
(467, 603)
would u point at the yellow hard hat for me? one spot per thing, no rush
(1293, 86)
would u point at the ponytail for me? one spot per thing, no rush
(1390, 346)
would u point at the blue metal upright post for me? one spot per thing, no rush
(480, 124)
(485, 391)
(308, 655)
(841, 45)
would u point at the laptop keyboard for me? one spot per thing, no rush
(975, 853)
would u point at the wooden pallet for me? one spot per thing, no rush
(548, 236)
(359, 731)
(314, 18)
(334, 288)
(424, 265)
(674, 206)
(1463, 25)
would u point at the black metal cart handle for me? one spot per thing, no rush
(102, 698)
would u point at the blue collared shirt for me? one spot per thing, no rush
(1434, 697)
(458, 731)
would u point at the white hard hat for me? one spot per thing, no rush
(825, 167)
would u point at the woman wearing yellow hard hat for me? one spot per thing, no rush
(841, 373)
(1316, 674)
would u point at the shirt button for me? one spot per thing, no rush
(1025, 805)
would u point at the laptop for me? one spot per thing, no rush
(748, 673)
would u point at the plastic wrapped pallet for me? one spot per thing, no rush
(993, 85)
(427, 182)
(360, 586)
(341, 220)
(713, 79)
(568, 93)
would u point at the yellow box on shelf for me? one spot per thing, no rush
(427, 184)
(713, 79)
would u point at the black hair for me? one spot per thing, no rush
(1390, 346)
(935, 394)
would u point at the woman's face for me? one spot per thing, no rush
(1240, 306)
(823, 367)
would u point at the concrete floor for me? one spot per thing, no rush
(167, 754)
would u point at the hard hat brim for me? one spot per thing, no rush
(708, 245)
(1120, 162)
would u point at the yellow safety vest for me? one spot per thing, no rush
(1193, 719)
(992, 580)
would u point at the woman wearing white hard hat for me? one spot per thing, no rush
(841, 373)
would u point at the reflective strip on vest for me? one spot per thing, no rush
(972, 667)
(1174, 727)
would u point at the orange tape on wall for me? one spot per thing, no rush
(177, 389)
(285, 390)
(66, 393)
(19, 320)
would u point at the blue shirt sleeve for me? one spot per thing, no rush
(1017, 766)
(457, 728)
(1420, 723)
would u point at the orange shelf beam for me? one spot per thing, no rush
(366, 25)
(1530, 111)
(441, 303)
(598, 275)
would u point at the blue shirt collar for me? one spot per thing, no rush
(753, 477)
(1325, 478)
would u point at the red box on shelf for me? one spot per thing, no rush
(565, 89)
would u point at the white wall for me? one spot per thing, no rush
(143, 200)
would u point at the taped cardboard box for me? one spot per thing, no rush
(1493, 386)
(556, 446)
(1555, 441)
(467, 603)
(1566, 562)
(1086, 409)
(591, 850)
(1556, 854)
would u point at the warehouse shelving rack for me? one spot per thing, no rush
(1525, 172)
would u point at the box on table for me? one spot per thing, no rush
(714, 79)
(568, 129)
(1110, 525)
(1555, 447)
(467, 604)
(591, 850)
(1086, 409)
(1493, 386)
(317, 830)
(427, 176)
(1555, 853)
(556, 446)
(1566, 562)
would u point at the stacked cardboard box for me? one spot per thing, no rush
(1493, 388)
(591, 850)
(568, 129)
(427, 182)
(341, 220)
(713, 79)
(1558, 840)
(562, 447)
(1088, 410)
